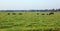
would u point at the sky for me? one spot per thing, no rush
(29, 4)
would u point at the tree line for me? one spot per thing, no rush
(46, 10)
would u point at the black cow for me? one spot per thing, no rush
(8, 13)
(37, 13)
(43, 14)
(14, 13)
(20, 13)
(51, 14)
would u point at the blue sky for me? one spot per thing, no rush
(29, 4)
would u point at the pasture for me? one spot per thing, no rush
(29, 21)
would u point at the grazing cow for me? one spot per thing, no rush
(14, 13)
(20, 13)
(8, 13)
(47, 14)
(51, 13)
(43, 14)
(37, 13)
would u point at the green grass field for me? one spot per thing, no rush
(29, 21)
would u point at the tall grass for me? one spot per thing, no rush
(29, 21)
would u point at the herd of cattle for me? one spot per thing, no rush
(46, 14)
(49, 14)
(37, 13)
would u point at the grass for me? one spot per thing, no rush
(28, 21)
